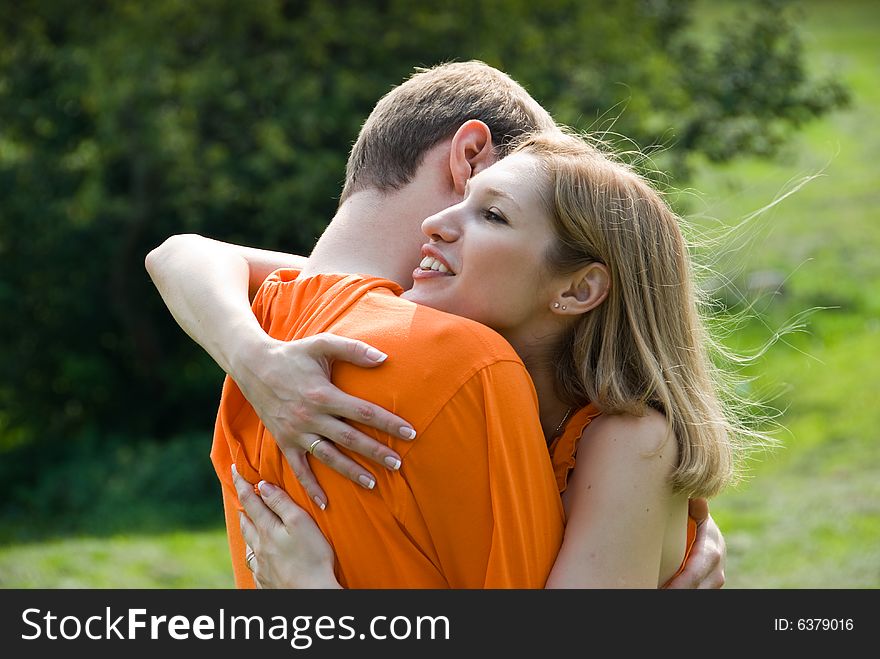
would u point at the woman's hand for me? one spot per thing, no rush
(289, 550)
(288, 384)
(705, 565)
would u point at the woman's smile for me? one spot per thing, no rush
(433, 264)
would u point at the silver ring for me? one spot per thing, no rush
(249, 558)
(311, 448)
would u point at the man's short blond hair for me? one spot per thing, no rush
(428, 108)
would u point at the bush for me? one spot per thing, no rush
(103, 488)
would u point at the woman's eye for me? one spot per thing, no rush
(492, 216)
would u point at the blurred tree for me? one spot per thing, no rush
(123, 122)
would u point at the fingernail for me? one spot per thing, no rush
(367, 482)
(407, 433)
(264, 488)
(234, 470)
(376, 355)
(392, 462)
(320, 503)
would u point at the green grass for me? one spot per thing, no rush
(176, 560)
(809, 515)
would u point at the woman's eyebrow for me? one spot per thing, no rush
(495, 192)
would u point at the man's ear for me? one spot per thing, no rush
(585, 290)
(472, 151)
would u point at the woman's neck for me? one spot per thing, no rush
(540, 362)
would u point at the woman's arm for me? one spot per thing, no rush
(208, 286)
(619, 503)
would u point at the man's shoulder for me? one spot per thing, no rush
(436, 361)
(368, 307)
(426, 347)
(433, 336)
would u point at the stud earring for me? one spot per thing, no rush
(563, 307)
(556, 305)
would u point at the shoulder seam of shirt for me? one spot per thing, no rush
(468, 377)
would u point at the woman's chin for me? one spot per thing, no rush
(426, 298)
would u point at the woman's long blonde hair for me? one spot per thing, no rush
(646, 346)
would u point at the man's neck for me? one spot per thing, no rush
(372, 233)
(380, 233)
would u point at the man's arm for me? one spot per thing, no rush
(208, 286)
(483, 462)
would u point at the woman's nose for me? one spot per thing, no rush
(443, 226)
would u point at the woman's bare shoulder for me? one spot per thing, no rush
(641, 436)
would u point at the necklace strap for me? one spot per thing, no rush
(564, 419)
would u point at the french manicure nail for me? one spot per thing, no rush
(392, 463)
(264, 488)
(376, 355)
(367, 482)
(320, 503)
(407, 433)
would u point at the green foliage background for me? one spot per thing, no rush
(124, 122)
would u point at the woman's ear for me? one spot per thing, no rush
(472, 151)
(585, 291)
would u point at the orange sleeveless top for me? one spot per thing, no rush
(563, 454)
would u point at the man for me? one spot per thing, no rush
(414, 155)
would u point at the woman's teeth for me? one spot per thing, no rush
(430, 263)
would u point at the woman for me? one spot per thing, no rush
(576, 261)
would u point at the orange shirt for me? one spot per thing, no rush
(474, 504)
